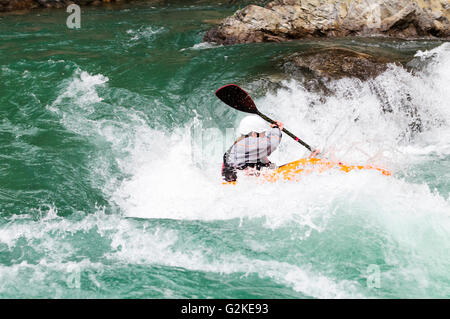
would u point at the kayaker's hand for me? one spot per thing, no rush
(314, 153)
(279, 124)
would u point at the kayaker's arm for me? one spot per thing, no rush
(314, 153)
(279, 124)
(273, 137)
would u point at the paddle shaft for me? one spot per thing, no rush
(284, 130)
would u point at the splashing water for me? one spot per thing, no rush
(109, 198)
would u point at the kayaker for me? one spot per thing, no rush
(250, 151)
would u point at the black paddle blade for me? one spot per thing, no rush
(237, 98)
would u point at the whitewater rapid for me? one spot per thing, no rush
(399, 224)
(349, 126)
(168, 214)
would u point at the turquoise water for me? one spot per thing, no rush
(111, 141)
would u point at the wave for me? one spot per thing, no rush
(297, 234)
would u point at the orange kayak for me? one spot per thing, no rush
(293, 171)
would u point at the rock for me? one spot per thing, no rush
(282, 20)
(212, 21)
(315, 68)
(263, 23)
(336, 63)
(14, 5)
(18, 5)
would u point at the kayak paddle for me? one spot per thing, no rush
(237, 98)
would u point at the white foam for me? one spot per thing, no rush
(82, 88)
(349, 126)
(144, 33)
(51, 238)
(157, 248)
(203, 46)
(164, 182)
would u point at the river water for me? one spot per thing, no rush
(111, 141)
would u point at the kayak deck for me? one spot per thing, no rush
(294, 170)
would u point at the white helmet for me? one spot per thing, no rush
(252, 123)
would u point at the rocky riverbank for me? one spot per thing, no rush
(283, 20)
(13, 5)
